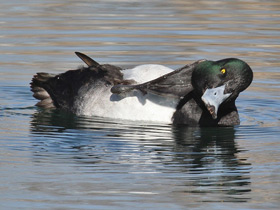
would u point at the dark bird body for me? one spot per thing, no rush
(202, 93)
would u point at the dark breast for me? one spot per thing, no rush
(191, 111)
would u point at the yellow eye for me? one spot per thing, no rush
(223, 71)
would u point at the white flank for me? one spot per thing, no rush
(146, 72)
(98, 100)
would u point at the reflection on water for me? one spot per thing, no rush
(56, 160)
(202, 161)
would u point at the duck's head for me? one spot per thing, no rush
(217, 82)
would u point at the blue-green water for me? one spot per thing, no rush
(50, 159)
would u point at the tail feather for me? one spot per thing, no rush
(46, 103)
(40, 93)
(62, 90)
(89, 61)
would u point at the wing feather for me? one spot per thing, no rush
(176, 84)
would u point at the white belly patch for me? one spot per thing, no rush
(97, 100)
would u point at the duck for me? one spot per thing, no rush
(202, 93)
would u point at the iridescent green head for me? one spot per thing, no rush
(220, 81)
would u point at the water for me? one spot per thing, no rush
(56, 160)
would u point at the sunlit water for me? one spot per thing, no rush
(56, 160)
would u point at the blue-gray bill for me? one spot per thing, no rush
(213, 98)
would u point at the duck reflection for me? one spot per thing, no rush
(211, 155)
(206, 160)
(51, 120)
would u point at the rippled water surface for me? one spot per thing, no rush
(50, 159)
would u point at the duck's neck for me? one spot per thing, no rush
(228, 114)
(192, 111)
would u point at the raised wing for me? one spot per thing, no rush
(176, 84)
